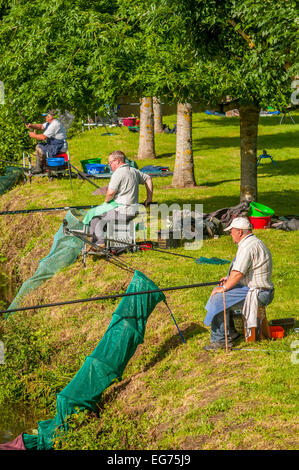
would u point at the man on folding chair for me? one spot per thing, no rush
(121, 201)
(247, 286)
(52, 140)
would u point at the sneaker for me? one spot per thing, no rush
(217, 345)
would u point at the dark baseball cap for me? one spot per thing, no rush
(52, 112)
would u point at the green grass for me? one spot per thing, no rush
(172, 395)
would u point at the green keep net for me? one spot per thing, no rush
(64, 251)
(107, 362)
(11, 177)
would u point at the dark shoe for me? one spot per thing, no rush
(36, 170)
(97, 248)
(217, 345)
(234, 336)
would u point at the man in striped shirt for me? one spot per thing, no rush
(247, 285)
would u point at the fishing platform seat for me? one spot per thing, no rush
(260, 332)
(62, 168)
(265, 155)
(59, 169)
(120, 236)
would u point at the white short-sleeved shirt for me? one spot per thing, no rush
(125, 183)
(55, 129)
(254, 261)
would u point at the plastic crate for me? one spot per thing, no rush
(276, 332)
(286, 323)
(89, 160)
(95, 168)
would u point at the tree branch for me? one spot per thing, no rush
(244, 36)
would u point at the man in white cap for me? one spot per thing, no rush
(247, 285)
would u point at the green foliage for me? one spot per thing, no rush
(115, 431)
(13, 136)
(26, 350)
(173, 395)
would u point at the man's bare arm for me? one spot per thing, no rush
(34, 126)
(33, 135)
(149, 191)
(109, 195)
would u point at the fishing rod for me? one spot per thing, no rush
(83, 176)
(19, 112)
(112, 296)
(15, 164)
(45, 209)
(212, 260)
(146, 246)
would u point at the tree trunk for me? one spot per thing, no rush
(158, 128)
(146, 136)
(183, 175)
(249, 118)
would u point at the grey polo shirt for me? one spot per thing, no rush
(55, 129)
(254, 261)
(125, 183)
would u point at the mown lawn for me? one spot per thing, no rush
(173, 395)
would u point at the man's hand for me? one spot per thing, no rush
(217, 290)
(223, 280)
(31, 134)
(147, 202)
(228, 283)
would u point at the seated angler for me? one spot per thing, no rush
(248, 286)
(52, 140)
(121, 197)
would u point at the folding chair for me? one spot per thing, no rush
(265, 155)
(284, 117)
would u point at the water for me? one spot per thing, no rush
(14, 420)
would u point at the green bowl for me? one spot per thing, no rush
(259, 210)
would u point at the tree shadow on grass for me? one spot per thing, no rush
(276, 141)
(173, 342)
(287, 199)
(284, 167)
(164, 155)
(220, 121)
(264, 121)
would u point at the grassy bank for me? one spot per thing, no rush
(172, 395)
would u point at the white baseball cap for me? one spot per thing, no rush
(239, 222)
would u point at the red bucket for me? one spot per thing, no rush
(260, 222)
(276, 332)
(129, 121)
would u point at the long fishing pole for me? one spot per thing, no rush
(112, 296)
(19, 112)
(83, 176)
(15, 164)
(46, 209)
